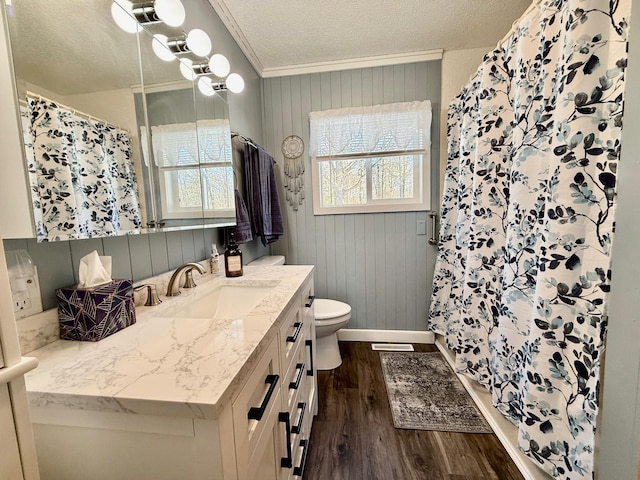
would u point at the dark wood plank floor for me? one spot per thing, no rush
(353, 436)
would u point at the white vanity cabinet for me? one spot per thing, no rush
(299, 398)
(260, 432)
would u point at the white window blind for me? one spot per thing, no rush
(361, 130)
(182, 144)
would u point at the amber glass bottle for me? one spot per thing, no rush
(232, 258)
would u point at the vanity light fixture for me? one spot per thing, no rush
(122, 13)
(209, 88)
(170, 12)
(186, 69)
(129, 16)
(199, 42)
(235, 83)
(219, 65)
(160, 47)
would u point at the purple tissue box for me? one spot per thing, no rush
(95, 313)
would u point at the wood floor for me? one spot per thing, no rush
(353, 436)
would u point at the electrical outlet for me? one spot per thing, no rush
(27, 301)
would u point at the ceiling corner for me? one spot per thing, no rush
(234, 29)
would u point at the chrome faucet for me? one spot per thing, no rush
(189, 283)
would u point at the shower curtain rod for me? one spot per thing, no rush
(86, 116)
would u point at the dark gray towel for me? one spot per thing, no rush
(262, 194)
(242, 231)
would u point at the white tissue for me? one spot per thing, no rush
(94, 270)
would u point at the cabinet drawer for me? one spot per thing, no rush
(294, 385)
(255, 409)
(291, 333)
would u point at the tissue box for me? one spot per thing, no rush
(95, 313)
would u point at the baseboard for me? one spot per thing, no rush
(506, 431)
(394, 336)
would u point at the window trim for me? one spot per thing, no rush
(364, 132)
(185, 212)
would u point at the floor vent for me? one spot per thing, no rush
(392, 347)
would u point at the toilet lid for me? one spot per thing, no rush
(325, 308)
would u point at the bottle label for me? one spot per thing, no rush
(234, 263)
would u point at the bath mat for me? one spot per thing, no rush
(425, 394)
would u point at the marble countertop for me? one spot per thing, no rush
(168, 366)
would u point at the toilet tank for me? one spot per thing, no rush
(268, 260)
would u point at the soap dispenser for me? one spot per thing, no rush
(232, 258)
(215, 259)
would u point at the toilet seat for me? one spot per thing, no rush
(328, 311)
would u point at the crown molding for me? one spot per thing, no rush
(316, 67)
(225, 15)
(352, 63)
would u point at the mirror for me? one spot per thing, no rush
(75, 68)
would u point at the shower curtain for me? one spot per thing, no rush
(82, 180)
(522, 275)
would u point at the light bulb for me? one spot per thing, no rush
(199, 42)
(235, 83)
(186, 69)
(160, 48)
(121, 13)
(170, 12)
(219, 65)
(205, 87)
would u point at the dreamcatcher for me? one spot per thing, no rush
(293, 149)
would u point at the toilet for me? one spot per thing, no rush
(330, 316)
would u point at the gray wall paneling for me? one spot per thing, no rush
(135, 256)
(375, 262)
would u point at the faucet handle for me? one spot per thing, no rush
(188, 279)
(152, 295)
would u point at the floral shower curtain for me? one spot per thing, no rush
(82, 180)
(522, 276)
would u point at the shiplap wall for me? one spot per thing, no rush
(376, 262)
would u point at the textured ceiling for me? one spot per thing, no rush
(73, 46)
(280, 34)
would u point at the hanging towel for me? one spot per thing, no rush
(262, 194)
(242, 231)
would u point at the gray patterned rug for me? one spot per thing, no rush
(425, 394)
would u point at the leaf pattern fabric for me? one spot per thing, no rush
(81, 176)
(522, 276)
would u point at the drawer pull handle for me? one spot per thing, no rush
(302, 406)
(294, 338)
(296, 384)
(309, 344)
(286, 462)
(310, 301)
(297, 471)
(256, 413)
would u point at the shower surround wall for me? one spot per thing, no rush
(522, 278)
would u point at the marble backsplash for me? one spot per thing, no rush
(41, 329)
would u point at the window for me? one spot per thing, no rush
(195, 168)
(371, 159)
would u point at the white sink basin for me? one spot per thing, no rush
(226, 301)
